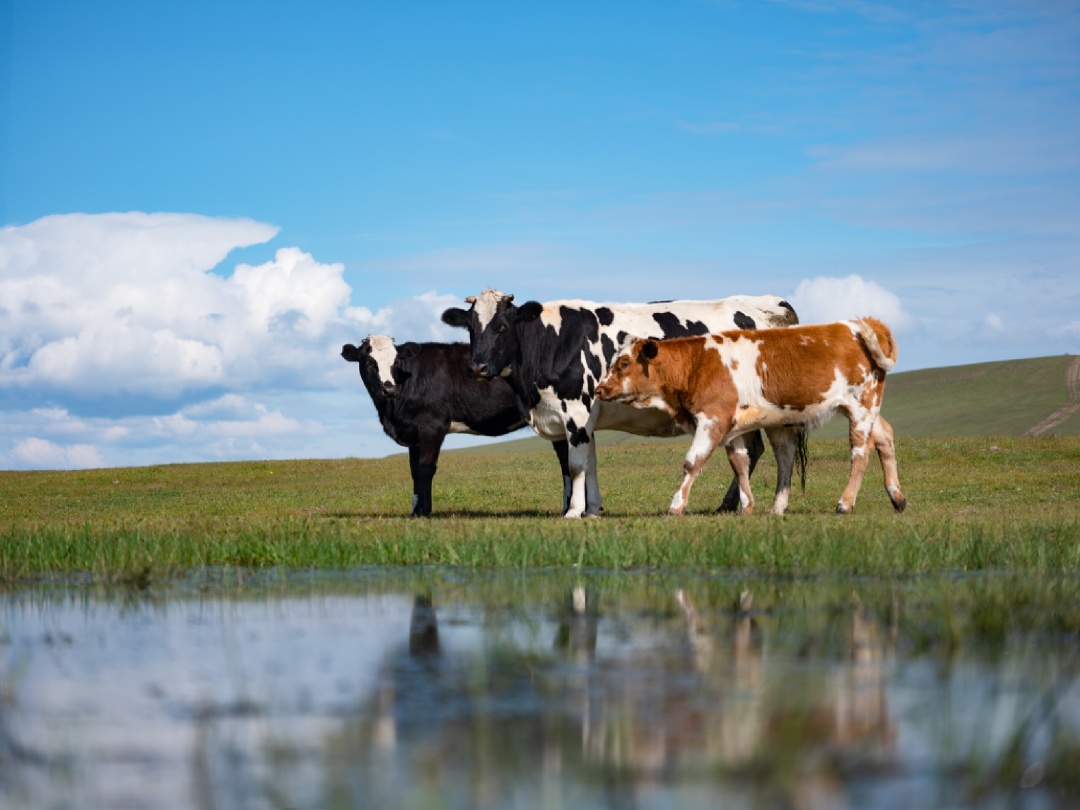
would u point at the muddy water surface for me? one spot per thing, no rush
(443, 688)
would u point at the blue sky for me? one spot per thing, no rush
(200, 202)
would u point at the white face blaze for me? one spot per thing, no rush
(486, 305)
(383, 352)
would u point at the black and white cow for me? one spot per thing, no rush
(422, 391)
(553, 354)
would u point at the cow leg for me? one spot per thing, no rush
(593, 504)
(739, 459)
(882, 437)
(414, 460)
(784, 443)
(706, 437)
(578, 462)
(424, 471)
(859, 437)
(562, 453)
(755, 447)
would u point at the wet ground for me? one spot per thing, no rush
(445, 688)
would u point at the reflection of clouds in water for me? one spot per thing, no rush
(123, 688)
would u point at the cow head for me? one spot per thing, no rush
(628, 380)
(492, 336)
(376, 355)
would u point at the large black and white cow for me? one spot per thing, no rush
(423, 391)
(553, 354)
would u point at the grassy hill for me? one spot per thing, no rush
(1004, 398)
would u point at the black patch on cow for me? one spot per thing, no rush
(564, 409)
(594, 362)
(586, 399)
(578, 331)
(605, 316)
(744, 321)
(577, 435)
(529, 311)
(621, 337)
(668, 301)
(671, 326)
(608, 348)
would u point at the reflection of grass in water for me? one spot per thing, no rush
(1017, 732)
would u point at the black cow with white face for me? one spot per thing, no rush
(553, 354)
(423, 391)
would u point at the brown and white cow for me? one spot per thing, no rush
(720, 387)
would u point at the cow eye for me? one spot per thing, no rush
(501, 329)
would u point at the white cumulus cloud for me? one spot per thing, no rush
(135, 308)
(41, 454)
(824, 299)
(406, 319)
(128, 304)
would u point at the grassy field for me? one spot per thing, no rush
(974, 503)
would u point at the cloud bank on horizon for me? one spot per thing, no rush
(915, 161)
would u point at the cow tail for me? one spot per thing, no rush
(802, 454)
(873, 333)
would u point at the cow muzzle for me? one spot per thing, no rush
(606, 393)
(481, 371)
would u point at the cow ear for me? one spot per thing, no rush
(649, 349)
(529, 311)
(407, 351)
(455, 316)
(350, 353)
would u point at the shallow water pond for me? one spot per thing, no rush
(447, 688)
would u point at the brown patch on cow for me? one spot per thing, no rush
(792, 371)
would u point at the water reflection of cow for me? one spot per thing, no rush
(708, 703)
(697, 699)
(804, 739)
(448, 727)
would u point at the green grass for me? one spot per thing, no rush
(974, 504)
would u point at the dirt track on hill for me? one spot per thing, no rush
(1071, 406)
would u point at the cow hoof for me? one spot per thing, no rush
(900, 505)
(842, 510)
